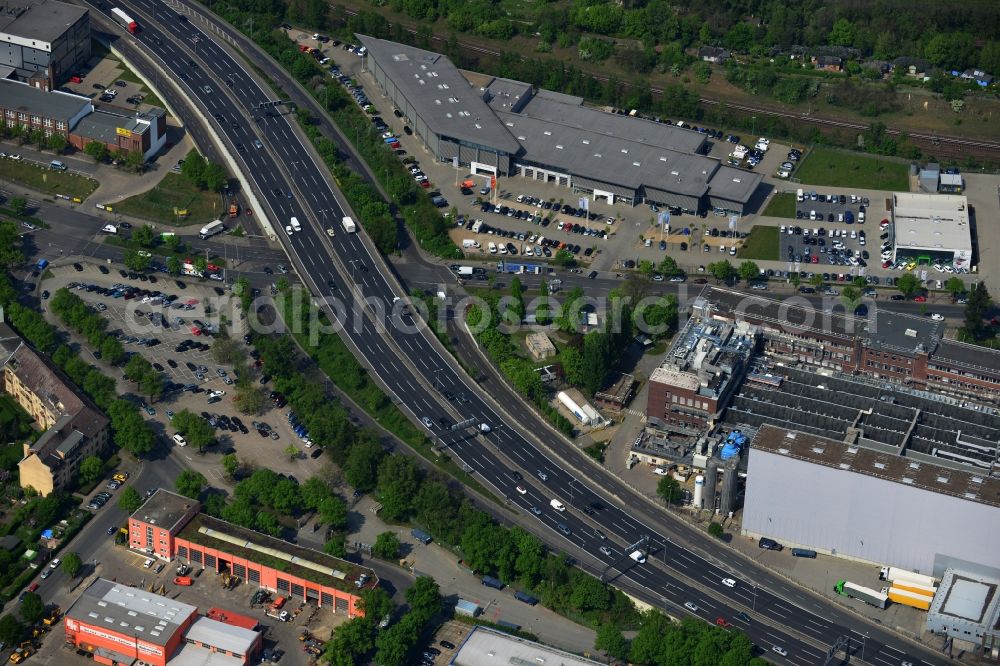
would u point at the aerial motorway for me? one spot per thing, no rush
(515, 454)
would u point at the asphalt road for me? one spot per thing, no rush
(290, 183)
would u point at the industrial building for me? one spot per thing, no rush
(119, 624)
(169, 526)
(690, 389)
(884, 345)
(932, 229)
(867, 499)
(72, 426)
(483, 645)
(76, 118)
(966, 608)
(43, 42)
(503, 128)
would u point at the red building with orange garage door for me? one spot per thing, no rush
(168, 526)
(119, 624)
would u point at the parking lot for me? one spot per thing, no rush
(833, 207)
(193, 380)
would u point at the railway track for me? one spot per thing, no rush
(940, 145)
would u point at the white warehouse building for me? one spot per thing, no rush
(932, 228)
(870, 504)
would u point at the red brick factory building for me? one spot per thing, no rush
(118, 624)
(170, 526)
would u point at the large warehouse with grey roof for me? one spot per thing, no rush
(507, 128)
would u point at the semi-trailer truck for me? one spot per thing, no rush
(912, 599)
(349, 225)
(127, 22)
(894, 574)
(211, 229)
(865, 594)
(916, 588)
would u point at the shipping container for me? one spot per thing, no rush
(912, 599)
(467, 608)
(421, 536)
(895, 575)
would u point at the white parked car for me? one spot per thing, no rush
(937, 317)
(179, 440)
(660, 471)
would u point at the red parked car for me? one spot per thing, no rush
(920, 299)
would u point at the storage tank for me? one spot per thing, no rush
(729, 487)
(711, 480)
(699, 491)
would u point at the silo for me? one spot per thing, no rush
(711, 481)
(730, 486)
(699, 491)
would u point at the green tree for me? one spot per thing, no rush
(137, 368)
(908, 284)
(231, 464)
(749, 271)
(292, 451)
(200, 265)
(145, 236)
(955, 286)
(129, 500)
(11, 631)
(97, 150)
(398, 483)
(71, 564)
(722, 271)
(18, 205)
(194, 169)
(669, 268)
(850, 296)
(350, 642)
(190, 483)
(669, 489)
(215, 177)
(842, 33)
(816, 280)
(376, 603)
(32, 608)
(249, 400)
(386, 546)
(10, 244)
(91, 469)
(152, 386)
(976, 308)
(173, 265)
(361, 467)
(424, 597)
(57, 142)
(610, 641)
(716, 530)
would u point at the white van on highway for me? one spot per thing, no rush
(557, 505)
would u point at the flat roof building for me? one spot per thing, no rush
(483, 645)
(44, 41)
(868, 501)
(122, 624)
(76, 118)
(503, 127)
(967, 609)
(932, 228)
(169, 526)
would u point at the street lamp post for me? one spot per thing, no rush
(754, 606)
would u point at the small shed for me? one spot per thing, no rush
(618, 393)
(539, 346)
(952, 183)
(930, 177)
(467, 608)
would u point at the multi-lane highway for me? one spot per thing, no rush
(289, 182)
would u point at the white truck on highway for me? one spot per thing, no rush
(211, 229)
(349, 225)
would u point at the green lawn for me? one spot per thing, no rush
(762, 243)
(781, 205)
(45, 180)
(174, 192)
(837, 168)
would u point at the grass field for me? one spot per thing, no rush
(781, 205)
(762, 243)
(45, 180)
(836, 168)
(174, 192)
